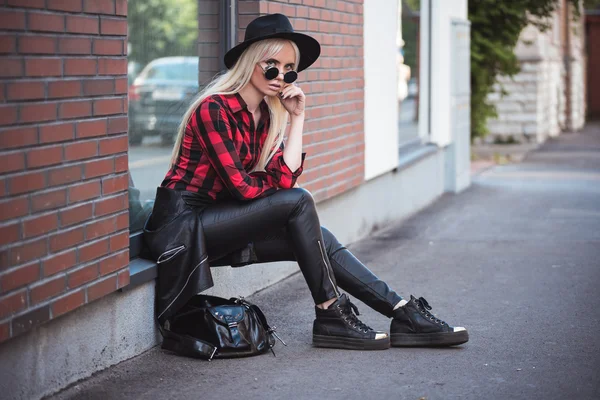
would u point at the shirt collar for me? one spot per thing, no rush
(236, 103)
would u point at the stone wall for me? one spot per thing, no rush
(547, 96)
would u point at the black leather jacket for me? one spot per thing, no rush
(175, 240)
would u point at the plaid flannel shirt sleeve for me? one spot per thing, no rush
(215, 136)
(279, 171)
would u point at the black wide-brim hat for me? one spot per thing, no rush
(273, 26)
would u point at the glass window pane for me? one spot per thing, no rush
(408, 71)
(163, 78)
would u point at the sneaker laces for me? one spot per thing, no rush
(352, 316)
(425, 307)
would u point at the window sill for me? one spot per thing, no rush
(140, 272)
(412, 153)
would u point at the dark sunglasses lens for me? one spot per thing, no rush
(271, 73)
(290, 77)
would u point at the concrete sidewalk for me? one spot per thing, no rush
(515, 259)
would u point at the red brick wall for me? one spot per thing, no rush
(334, 86)
(63, 144)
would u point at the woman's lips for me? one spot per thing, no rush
(275, 87)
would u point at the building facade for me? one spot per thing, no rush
(90, 92)
(548, 96)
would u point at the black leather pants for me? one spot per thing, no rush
(285, 227)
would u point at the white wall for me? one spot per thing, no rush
(381, 83)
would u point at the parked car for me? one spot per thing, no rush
(159, 97)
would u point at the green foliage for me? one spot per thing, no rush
(495, 29)
(161, 28)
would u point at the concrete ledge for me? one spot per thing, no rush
(121, 325)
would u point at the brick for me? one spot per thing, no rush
(81, 24)
(11, 67)
(74, 45)
(59, 262)
(80, 66)
(14, 208)
(64, 175)
(2, 187)
(10, 233)
(114, 263)
(27, 182)
(4, 331)
(123, 221)
(113, 26)
(98, 87)
(46, 290)
(115, 145)
(8, 115)
(108, 106)
(123, 278)
(110, 205)
(121, 86)
(99, 6)
(18, 137)
(121, 163)
(97, 168)
(100, 228)
(25, 91)
(92, 128)
(57, 132)
(20, 276)
(8, 44)
(12, 162)
(81, 150)
(68, 303)
(27, 3)
(116, 184)
(62, 5)
(13, 303)
(108, 47)
(37, 45)
(44, 22)
(64, 88)
(82, 275)
(119, 242)
(121, 7)
(12, 20)
(43, 67)
(75, 109)
(29, 113)
(85, 191)
(76, 215)
(30, 320)
(40, 225)
(44, 156)
(48, 200)
(112, 66)
(117, 125)
(65, 240)
(93, 251)
(102, 288)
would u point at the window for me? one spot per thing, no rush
(163, 70)
(408, 71)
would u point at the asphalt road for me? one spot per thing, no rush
(515, 259)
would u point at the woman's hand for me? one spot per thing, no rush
(293, 100)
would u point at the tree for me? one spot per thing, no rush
(495, 29)
(161, 28)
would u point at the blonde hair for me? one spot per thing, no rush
(231, 82)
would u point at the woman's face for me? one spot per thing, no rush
(283, 61)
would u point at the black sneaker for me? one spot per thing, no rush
(338, 327)
(414, 325)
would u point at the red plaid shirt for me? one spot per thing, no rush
(221, 146)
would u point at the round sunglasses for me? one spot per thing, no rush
(272, 73)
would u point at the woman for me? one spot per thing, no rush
(232, 177)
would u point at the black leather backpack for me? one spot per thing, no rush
(210, 327)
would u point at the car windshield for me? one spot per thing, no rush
(174, 72)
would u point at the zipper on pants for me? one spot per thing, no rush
(327, 268)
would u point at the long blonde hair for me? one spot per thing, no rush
(231, 82)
